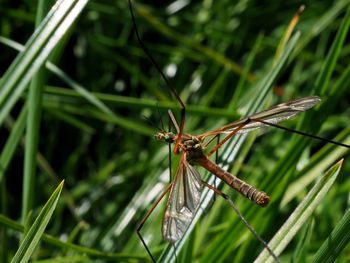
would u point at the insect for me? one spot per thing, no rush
(187, 185)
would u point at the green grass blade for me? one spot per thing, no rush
(33, 126)
(322, 23)
(319, 162)
(299, 255)
(241, 86)
(72, 120)
(13, 141)
(35, 232)
(91, 253)
(301, 214)
(123, 101)
(38, 48)
(323, 80)
(93, 98)
(336, 242)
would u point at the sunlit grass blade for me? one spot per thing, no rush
(54, 69)
(38, 48)
(299, 255)
(288, 32)
(33, 126)
(301, 214)
(89, 96)
(319, 162)
(35, 232)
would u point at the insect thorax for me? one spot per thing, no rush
(194, 150)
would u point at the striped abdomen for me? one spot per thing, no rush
(259, 197)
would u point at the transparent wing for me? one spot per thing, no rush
(183, 201)
(273, 115)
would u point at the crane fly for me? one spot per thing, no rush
(186, 188)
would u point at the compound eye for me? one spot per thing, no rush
(166, 138)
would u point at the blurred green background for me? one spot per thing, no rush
(220, 56)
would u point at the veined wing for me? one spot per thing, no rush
(183, 201)
(273, 115)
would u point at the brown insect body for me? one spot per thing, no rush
(193, 150)
(187, 186)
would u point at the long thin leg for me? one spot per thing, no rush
(217, 152)
(241, 217)
(169, 151)
(145, 49)
(211, 139)
(274, 125)
(179, 129)
(303, 133)
(167, 81)
(169, 160)
(228, 137)
(216, 158)
(140, 225)
(173, 120)
(179, 136)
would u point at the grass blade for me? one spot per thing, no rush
(38, 48)
(92, 98)
(91, 253)
(323, 79)
(35, 232)
(301, 214)
(336, 242)
(13, 141)
(33, 125)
